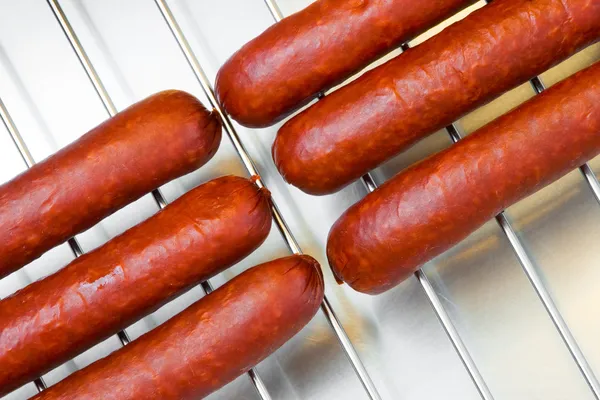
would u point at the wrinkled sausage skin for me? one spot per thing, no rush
(197, 236)
(210, 343)
(388, 109)
(315, 49)
(438, 202)
(143, 147)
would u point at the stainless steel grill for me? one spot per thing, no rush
(385, 333)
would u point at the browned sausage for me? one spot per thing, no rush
(211, 342)
(436, 203)
(315, 49)
(199, 235)
(151, 143)
(387, 110)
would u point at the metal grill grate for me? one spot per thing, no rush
(292, 244)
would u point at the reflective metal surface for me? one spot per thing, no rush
(397, 336)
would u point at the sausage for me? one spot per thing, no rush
(433, 205)
(197, 236)
(210, 343)
(143, 147)
(317, 48)
(388, 109)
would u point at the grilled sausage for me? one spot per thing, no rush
(315, 49)
(436, 203)
(199, 235)
(211, 342)
(388, 109)
(151, 143)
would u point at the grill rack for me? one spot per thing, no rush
(522, 256)
(290, 240)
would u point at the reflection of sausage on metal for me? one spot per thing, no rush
(438, 202)
(388, 109)
(102, 292)
(210, 343)
(313, 50)
(143, 147)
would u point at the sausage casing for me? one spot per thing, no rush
(436, 203)
(388, 109)
(143, 147)
(197, 236)
(210, 343)
(315, 49)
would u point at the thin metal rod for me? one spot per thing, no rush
(274, 9)
(451, 331)
(40, 385)
(537, 85)
(454, 336)
(289, 238)
(16, 136)
(548, 302)
(83, 57)
(91, 73)
(592, 180)
(112, 111)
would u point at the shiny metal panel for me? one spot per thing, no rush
(397, 336)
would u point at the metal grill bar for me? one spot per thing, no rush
(40, 385)
(275, 10)
(441, 313)
(330, 315)
(112, 111)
